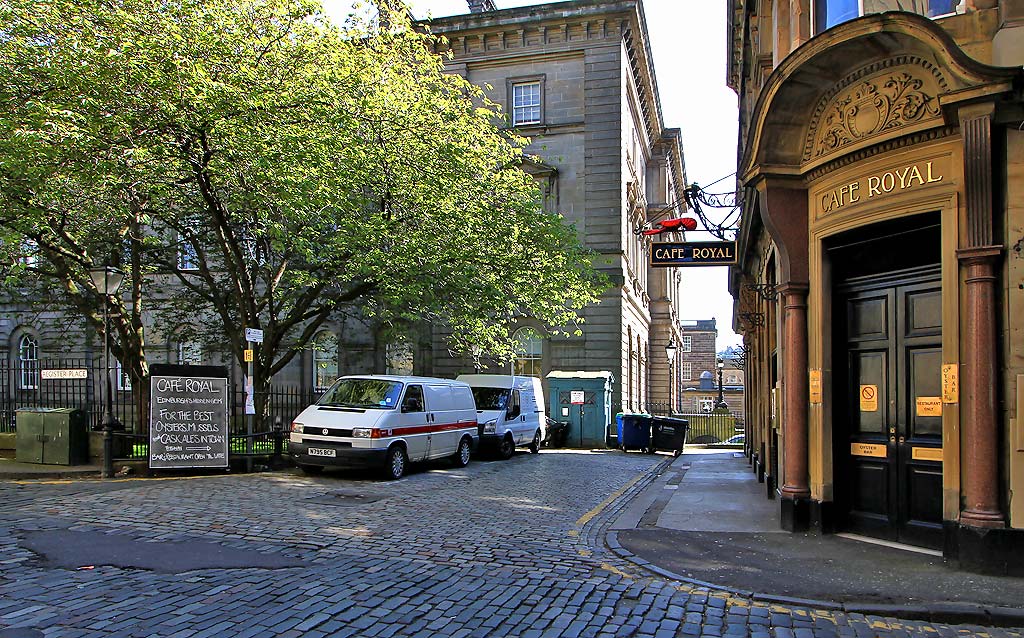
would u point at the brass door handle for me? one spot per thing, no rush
(903, 439)
(892, 439)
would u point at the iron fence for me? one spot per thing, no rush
(705, 427)
(33, 386)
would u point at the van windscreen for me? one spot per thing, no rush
(363, 393)
(490, 398)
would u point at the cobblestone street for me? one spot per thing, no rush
(495, 549)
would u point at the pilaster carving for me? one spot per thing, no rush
(976, 130)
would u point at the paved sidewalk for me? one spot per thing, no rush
(13, 470)
(706, 520)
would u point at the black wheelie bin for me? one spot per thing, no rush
(669, 434)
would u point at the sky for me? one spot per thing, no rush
(689, 48)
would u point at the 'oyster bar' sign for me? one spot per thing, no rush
(870, 186)
(188, 424)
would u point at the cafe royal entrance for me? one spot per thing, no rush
(871, 240)
(887, 357)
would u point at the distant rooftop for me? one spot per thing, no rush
(699, 324)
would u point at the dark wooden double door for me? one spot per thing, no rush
(888, 442)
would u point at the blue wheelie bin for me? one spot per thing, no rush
(635, 432)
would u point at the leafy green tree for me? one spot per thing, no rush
(276, 170)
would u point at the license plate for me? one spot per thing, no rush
(319, 451)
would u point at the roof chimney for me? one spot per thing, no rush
(479, 6)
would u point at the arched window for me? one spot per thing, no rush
(629, 368)
(28, 363)
(325, 360)
(529, 347)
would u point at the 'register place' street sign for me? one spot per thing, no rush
(693, 253)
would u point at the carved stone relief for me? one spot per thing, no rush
(872, 102)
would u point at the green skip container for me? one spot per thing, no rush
(53, 436)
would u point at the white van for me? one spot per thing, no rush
(510, 411)
(385, 421)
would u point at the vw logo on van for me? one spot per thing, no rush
(326, 431)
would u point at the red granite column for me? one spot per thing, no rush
(795, 482)
(978, 391)
(979, 372)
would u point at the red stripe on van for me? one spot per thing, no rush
(425, 429)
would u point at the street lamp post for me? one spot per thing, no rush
(107, 280)
(721, 397)
(670, 351)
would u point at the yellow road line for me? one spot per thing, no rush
(608, 501)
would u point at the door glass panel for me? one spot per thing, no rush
(868, 371)
(924, 403)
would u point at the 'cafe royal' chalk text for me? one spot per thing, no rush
(897, 179)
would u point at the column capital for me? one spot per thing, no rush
(979, 254)
(793, 288)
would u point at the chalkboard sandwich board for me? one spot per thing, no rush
(188, 422)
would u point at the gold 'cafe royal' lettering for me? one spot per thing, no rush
(898, 179)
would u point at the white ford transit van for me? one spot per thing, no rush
(510, 410)
(385, 421)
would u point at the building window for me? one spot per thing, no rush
(325, 360)
(190, 353)
(828, 13)
(399, 358)
(686, 371)
(188, 259)
(28, 362)
(124, 381)
(706, 404)
(529, 353)
(687, 343)
(527, 101)
(29, 253)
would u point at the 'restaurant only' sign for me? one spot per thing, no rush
(699, 253)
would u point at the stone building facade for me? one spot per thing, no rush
(577, 78)
(879, 288)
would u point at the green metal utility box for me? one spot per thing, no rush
(55, 436)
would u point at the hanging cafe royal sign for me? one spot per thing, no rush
(693, 253)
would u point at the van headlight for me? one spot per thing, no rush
(362, 433)
(490, 426)
(296, 427)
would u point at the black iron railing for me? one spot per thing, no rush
(42, 385)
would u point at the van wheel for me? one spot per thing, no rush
(507, 448)
(312, 470)
(394, 466)
(461, 456)
(535, 444)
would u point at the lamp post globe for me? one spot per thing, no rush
(107, 280)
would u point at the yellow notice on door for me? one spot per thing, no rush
(876, 450)
(950, 383)
(869, 398)
(929, 406)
